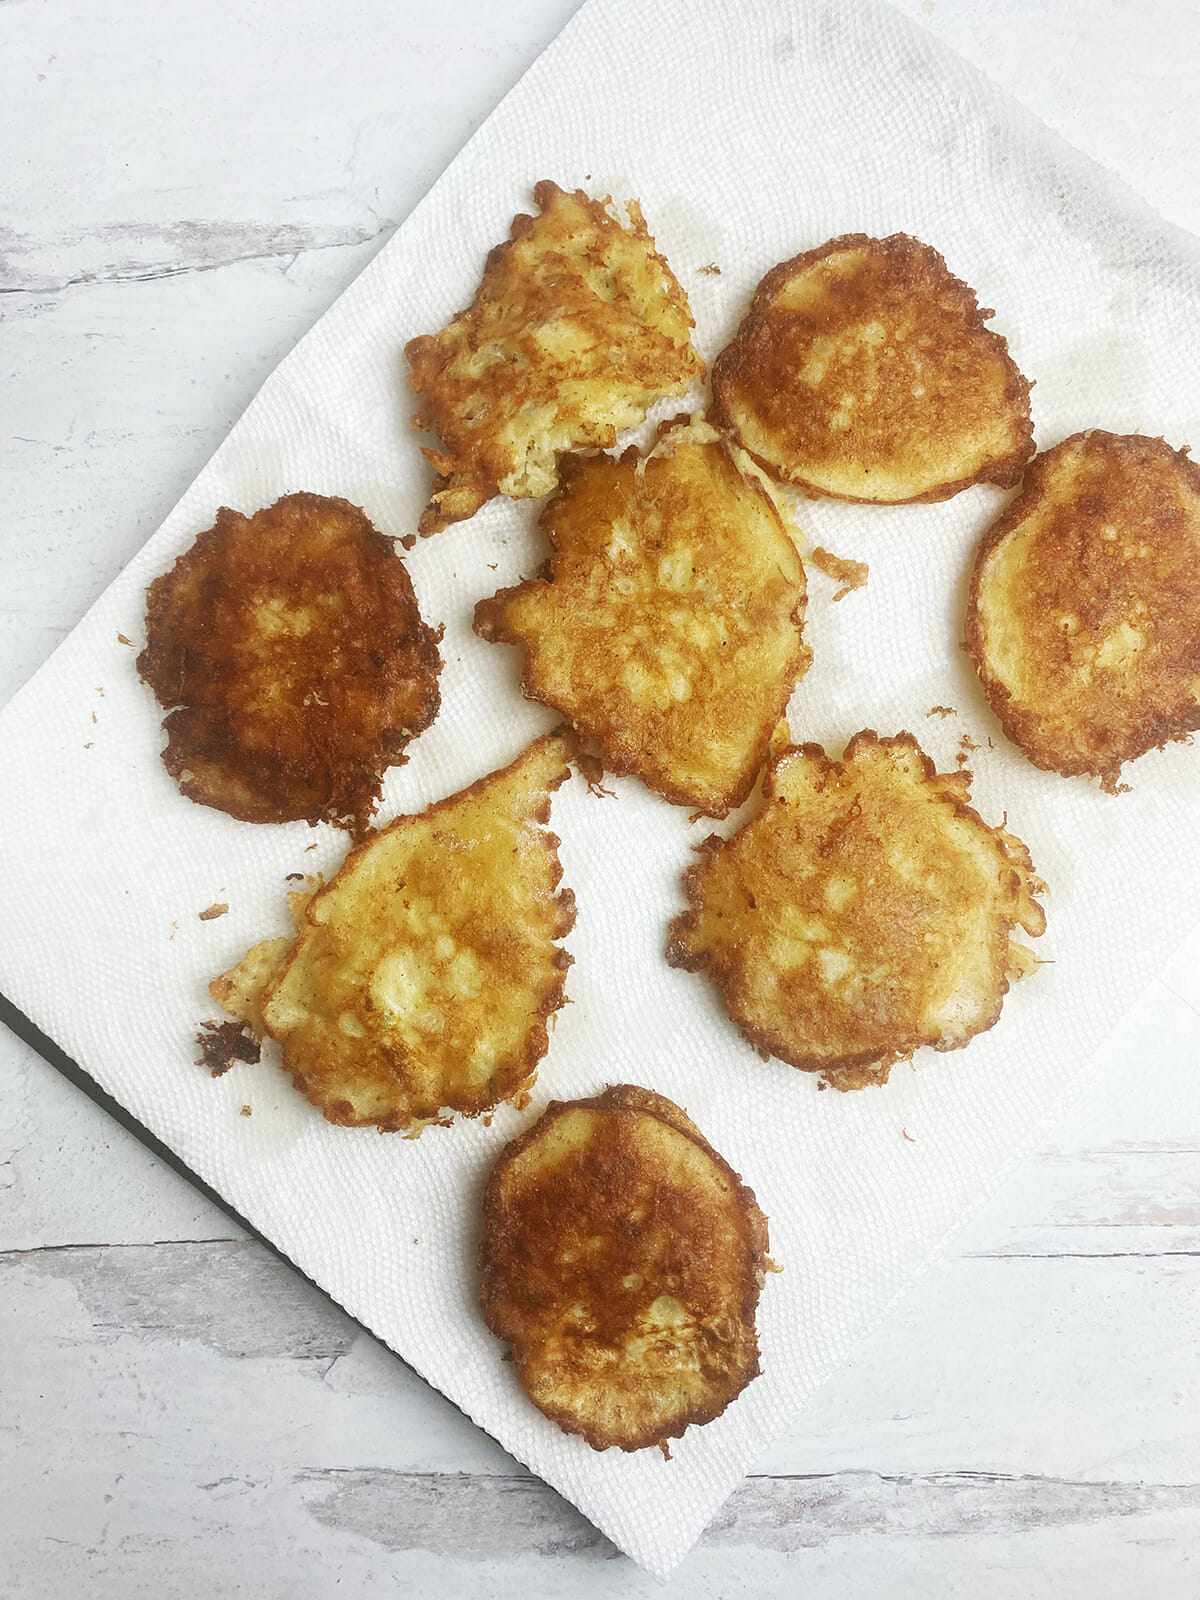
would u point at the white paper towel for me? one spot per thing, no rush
(749, 132)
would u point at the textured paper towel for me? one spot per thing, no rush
(749, 132)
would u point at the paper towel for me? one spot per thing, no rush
(749, 133)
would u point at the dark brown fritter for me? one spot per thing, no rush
(666, 625)
(423, 973)
(577, 328)
(290, 648)
(864, 912)
(622, 1262)
(865, 371)
(1084, 613)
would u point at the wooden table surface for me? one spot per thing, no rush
(183, 191)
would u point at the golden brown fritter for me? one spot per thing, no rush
(1084, 613)
(864, 370)
(666, 625)
(622, 1261)
(865, 911)
(577, 328)
(424, 971)
(290, 646)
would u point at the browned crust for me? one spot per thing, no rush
(855, 1070)
(462, 483)
(1022, 725)
(266, 770)
(511, 1083)
(490, 624)
(731, 362)
(620, 1097)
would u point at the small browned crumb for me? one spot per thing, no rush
(591, 770)
(223, 1043)
(850, 574)
(217, 909)
(665, 1448)
(121, 639)
(908, 1135)
(712, 270)
(245, 1112)
(309, 847)
(95, 718)
(174, 930)
(89, 745)
(941, 711)
(294, 877)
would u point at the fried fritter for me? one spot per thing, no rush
(290, 646)
(577, 328)
(666, 625)
(864, 912)
(1084, 612)
(864, 371)
(622, 1261)
(424, 971)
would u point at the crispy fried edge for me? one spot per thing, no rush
(851, 1071)
(627, 1097)
(466, 490)
(1005, 472)
(1018, 723)
(151, 669)
(537, 1038)
(489, 624)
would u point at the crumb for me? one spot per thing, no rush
(309, 847)
(121, 639)
(492, 565)
(89, 744)
(294, 877)
(665, 1448)
(95, 718)
(245, 1112)
(941, 711)
(218, 909)
(591, 770)
(223, 1043)
(712, 270)
(908, 1135)
(850, 574)
(416, 1241)
(174, 930)
(967, 743)
(821, 1084)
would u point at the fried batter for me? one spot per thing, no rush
(290, 646)
(865, 371)
(424, 971)
(666, 625)
(577, 328)
(1084, 612)
(865, 911)
(623, 1260)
